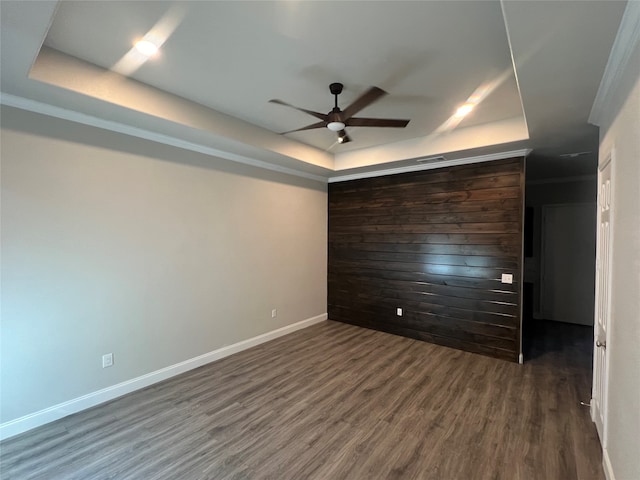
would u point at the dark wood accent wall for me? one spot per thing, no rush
(434, 243)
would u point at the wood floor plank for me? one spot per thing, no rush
(336, 401)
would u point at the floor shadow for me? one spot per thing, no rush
(545, 338)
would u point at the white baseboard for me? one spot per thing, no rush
(606, 465)
(33, 420)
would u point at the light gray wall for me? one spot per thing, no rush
(558, 192)
(115, 244)
(621, 131)
(555, 192)
(568, 263)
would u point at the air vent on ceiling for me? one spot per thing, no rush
(439, 158)
(573, 155)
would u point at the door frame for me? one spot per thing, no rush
(609, 160)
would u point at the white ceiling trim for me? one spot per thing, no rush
(479, 136)
(430, 166)
(132, 99)
(626, 40)
(76, 117)
(73, 116)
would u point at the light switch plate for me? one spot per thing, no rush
(507, 278)
(399, 312)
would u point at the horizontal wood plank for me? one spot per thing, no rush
(427, 248)
(469, 239)
(426, 177)
(434, 243)
(386, 307)
(440, 197)
(426, 217)
(484, 273)
(446, 341)
(421, 189)
(351, 254)
(358, 208)
(421, 301)
(425, 321)
(447, 280)
(369, 282)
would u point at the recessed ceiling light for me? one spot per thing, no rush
(464, 110)
(146, 47)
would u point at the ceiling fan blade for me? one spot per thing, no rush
(376, 122)
(308, 127)
(366, 99)
(319, 115)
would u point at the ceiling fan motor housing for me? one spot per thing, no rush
(334, 116)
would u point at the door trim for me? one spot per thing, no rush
(609, 161)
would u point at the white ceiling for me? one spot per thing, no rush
(537, 64)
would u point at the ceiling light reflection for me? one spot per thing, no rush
(149, 44)
(464, 110)
(476, 98)
(146, 47)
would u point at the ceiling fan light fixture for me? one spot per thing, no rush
(343, 137)
(335, 126)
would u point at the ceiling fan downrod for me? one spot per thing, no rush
(336, 89)
(335, 123)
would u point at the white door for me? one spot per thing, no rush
(602, 304)
(568, 263)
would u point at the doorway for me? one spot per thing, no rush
(559, 271)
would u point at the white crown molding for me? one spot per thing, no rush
(77, 117)
(627, 38)
(72, 116)
(429, 166)
(28, 422)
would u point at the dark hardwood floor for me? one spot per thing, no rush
(336, 401)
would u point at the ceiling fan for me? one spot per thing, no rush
(336, 120)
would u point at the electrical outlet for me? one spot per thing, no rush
(107, 360)
(274, 313)
(507, 278)
(399, 312)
